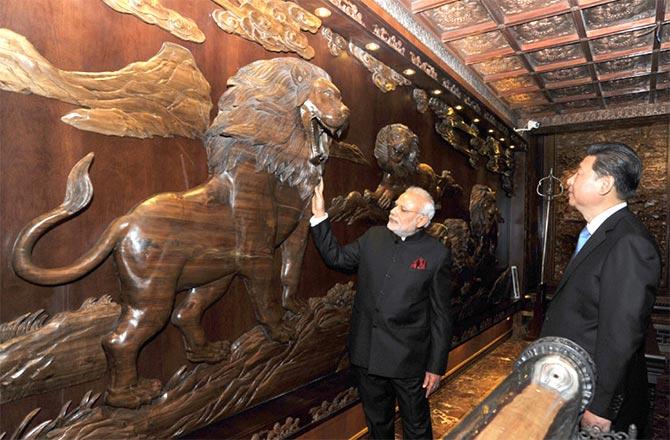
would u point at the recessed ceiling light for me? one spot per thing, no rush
(436, 92)
(476, 120)
(490, 130)
(459, 107)
(372, 46)
(322, 12)
(409, 72)
(502, 139)
(511, 147)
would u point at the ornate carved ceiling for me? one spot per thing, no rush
(546, 58)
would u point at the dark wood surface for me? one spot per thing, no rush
(37, 150)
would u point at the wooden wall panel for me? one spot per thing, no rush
(37, 151)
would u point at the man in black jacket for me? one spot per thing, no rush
(400, 330)
(605, 298)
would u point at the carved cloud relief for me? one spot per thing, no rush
(153, 12)
(164, 96)
(275, 24)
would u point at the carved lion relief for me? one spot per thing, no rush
(265, 151)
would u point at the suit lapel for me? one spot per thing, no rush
(592, 243)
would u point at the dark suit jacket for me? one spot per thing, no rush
(604, 302)
(400, 325)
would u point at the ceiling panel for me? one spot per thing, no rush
(559, 56)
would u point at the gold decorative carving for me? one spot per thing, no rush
(479, 44)
(277, 25)
(389, 39)
(336, 42)
(153, 12)
(279, 431)
(521, 98)
(550, 27)
(457, 15)
(511, 7)
(256, 370)
(499, 65)
(554, 54)
(425, 67)
(421, 99)
(565, 74)
(164, 96)
(625, 41)
(385, 78)
(63, 352)
(517, 82)
(350, 9)
(617, 12)
(340, 401)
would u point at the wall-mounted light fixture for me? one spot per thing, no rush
(409, 72)
(322, 12)
(372, 46)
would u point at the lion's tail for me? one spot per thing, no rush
(78, 194)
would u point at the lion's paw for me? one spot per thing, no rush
(281, 332)
(295, 305)
(134, 396)
(211, 352)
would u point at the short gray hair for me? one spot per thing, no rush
(428, 208)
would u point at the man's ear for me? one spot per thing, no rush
(606, 185)
(422, 221)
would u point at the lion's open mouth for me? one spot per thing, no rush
(322, 137)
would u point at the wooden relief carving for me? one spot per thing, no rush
(279, 431)
(385, 78)
(263, 165)
(336, 42)
(164, 96)
(397, 153)
(473, 249)
(256, 370)
(421, 99)
(340, 401)
(277, 25)
(153, 12)
(347, 151)
(38, 356)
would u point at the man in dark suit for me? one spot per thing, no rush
(400, 331)
(605, 298)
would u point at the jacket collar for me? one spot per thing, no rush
(591, 244)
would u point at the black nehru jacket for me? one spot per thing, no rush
(400, 326)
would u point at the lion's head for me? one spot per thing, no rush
(281, 113)
(397, 150)
(484, 214)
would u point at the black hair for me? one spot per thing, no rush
(620, 162)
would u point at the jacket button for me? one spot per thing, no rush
(388, 275)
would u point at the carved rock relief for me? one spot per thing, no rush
(36, 357)
(164, 96)
(277, 25)
(153, 12)
(256, 370)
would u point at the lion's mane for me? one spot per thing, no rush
(392, 134)
(259, 119)
(484, 214)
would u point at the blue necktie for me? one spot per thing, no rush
(583, 237)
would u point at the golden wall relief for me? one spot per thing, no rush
(385, 78)
(166, 95)
(153, 12)
(277, 25)
(336, 42)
